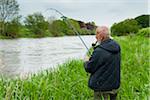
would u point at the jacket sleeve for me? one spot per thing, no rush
(95, 61)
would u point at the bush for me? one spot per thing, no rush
(81, 31)
(87, 32)
(36, 24)
(58, 28)
(125, 27)
(9, 10)
(12, 28)
(74, 24)
(144, 32)
(143, 20)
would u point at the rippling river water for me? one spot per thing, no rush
(23, 56)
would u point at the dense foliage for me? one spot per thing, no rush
(129, 26)
(143, 20)
(36, 24)
(9, 10)
(12, 28)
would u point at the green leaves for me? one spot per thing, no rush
(128, 26)
(36, 24)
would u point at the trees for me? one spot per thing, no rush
(131, 26)
(125, 27)
(36, 24)
(143, 20)
(58, 28)
(8, 11)
(13, 28)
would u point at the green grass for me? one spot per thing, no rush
(135, 68)
(144, 32)
(69, 81)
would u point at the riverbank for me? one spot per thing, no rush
(69, 81)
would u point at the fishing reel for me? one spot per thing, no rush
(94, 45)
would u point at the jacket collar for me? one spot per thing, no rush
(106, 41)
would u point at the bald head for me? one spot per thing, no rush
(102, 33)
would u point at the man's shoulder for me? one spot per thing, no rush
(115, 42)
(99, 50)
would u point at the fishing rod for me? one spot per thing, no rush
(69, 24)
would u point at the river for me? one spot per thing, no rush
(19, 57)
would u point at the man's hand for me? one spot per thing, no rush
(86, 58)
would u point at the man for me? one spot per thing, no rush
(104, 66)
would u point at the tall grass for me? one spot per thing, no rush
(135, 69)
(69, 81)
